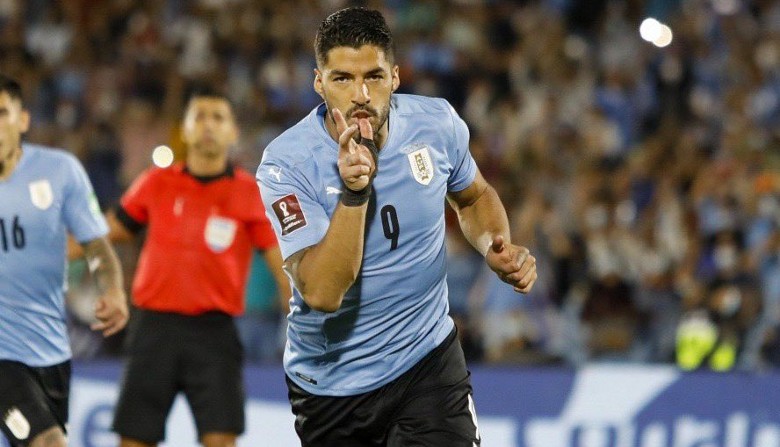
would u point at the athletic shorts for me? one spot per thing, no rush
(429, 405)
(200, 356)
(32, 399)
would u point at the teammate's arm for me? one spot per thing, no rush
(111, 307)
(484, 222)
(323, 273)
(117, 232)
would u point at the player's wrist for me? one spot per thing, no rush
(356, 198)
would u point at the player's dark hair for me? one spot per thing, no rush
(353, 27)
(10, 86)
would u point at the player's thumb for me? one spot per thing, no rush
(498, 244)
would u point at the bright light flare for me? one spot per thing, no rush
(664, 38)
(162, 156)
(650, 29)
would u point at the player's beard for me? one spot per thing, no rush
(381, 117)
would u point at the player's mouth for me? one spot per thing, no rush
(361, 114)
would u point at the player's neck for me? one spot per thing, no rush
(206, 166)
(8, 164)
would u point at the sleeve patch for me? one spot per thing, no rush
(288, 211)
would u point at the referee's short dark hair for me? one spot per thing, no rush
(10, 86)
(205, 91)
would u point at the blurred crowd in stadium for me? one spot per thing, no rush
(645, 180)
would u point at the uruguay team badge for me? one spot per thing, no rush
(220, 233)
(41, 194)
(421, 164)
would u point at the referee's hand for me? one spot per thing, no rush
(111, 312)
(356, 163)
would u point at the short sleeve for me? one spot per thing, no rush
(135, 201)
(464, 168)
(81, 211)
(261, 233)
(298, 218)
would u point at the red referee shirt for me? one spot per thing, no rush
(199, 239)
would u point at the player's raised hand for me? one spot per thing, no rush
(513, 264)
(356, 162)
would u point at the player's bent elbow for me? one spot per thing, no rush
(323, 303)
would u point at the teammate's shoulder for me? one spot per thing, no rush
(407, 104)
(49, 154)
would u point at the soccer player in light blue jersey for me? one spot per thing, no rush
(356, 192)
(44, 194)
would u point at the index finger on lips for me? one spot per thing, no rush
(346, 137)
(366, 131)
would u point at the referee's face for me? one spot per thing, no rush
(209, 128)
(14, 121)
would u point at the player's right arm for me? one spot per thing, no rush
(323, 250)
(323, 272)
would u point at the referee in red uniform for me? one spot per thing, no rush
(202, 218)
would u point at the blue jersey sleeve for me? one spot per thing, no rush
(464, 168)
(81, 211)
(292, 205)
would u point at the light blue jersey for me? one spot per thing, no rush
(47, 194)
(396, 312)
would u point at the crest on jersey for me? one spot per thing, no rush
(220, 233)
(17, 423)
(41, 194)
(420, 162)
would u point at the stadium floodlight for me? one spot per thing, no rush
(650, 29)
(664, 38)
(162, 156)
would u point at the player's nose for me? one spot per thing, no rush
(361, 95)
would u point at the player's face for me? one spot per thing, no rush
(14, 121)
(209, 127)
(359, 82)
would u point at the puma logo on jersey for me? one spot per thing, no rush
(332, 190)
(276, 172)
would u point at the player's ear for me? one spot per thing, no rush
(396, 78)
(318, 83)
(24, 121)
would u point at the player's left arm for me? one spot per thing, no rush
(484, 222)
(111, 308)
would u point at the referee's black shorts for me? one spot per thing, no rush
(32, 399)
(168, 353)
(429, 405)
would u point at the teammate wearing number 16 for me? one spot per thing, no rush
(44, 196)
(356, 192)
